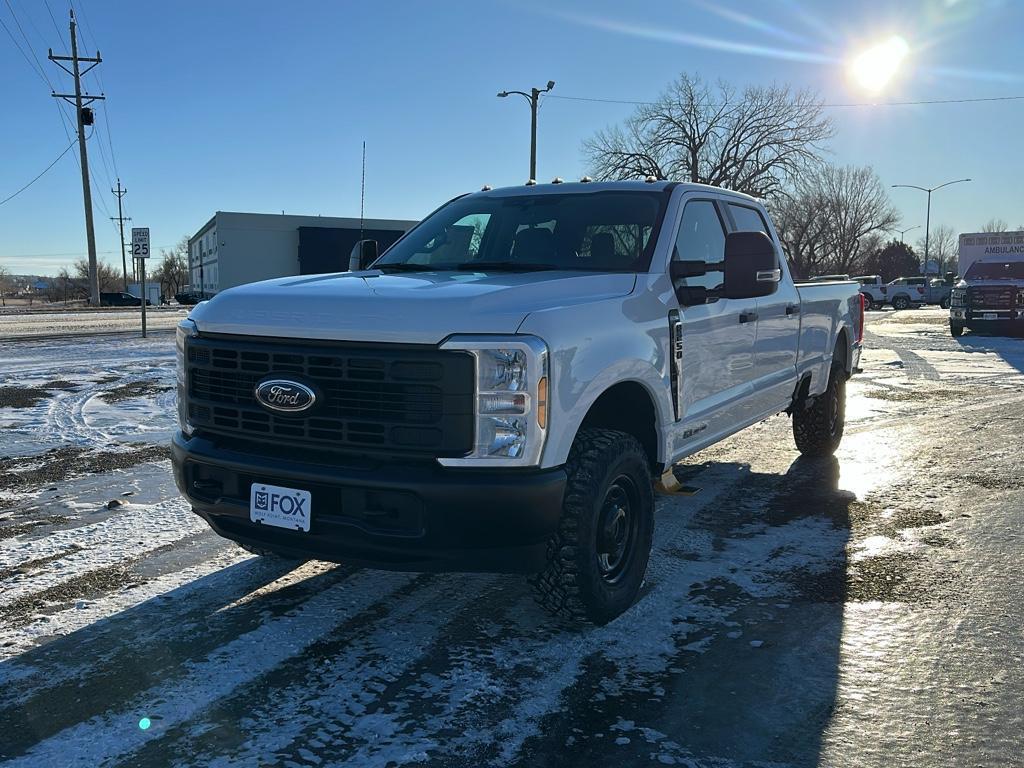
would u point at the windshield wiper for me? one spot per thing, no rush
(402, 266)
(504, 266)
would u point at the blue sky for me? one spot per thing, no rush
(261, 106)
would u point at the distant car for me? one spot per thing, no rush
(121, 300)
(188, 298)
(907, 292)
(876, 292)
(939, 291)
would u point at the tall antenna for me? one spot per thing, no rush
(362, 194)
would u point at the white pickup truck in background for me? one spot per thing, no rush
(504, 387)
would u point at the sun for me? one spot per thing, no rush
(874, 68)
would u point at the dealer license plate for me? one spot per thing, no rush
(989, 316)
(281, 507)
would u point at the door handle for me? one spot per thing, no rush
(792, 309)
(747, 317)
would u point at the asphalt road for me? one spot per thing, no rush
(863, 611)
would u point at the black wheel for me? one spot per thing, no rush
(818, 430)
(875, 306)
(956, 329)
(901, 302)
(597, 559)
(263, 552)
(944, 303)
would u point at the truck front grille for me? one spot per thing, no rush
(991, 296)
(371, 399)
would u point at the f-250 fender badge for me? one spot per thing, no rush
(284, 396)
(693, 431)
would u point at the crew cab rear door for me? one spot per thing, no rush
(717, 367)
(778, 322)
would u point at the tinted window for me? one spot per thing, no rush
(701, 238)
(747, 219)
(597, 231)
(995, 270)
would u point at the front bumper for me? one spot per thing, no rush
(395, 517)
(968, 315)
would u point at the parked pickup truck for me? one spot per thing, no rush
(990, 297)
(876, 293)
(501, 388)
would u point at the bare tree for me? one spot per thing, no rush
(943, 247)
(757, 141)
(173, 273)
(996, 225)
(5, 278)
(110, 279)
(833, 218)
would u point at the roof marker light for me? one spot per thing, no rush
(651, 179)
(556, 180)
(531, 182)
(486, 188)
(586, 180)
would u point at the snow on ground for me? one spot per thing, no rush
(110, 615)
(34, 324)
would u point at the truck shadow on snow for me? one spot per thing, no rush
(1008, 346)
(732, 652)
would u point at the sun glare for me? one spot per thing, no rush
(874, 68)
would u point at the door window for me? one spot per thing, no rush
(747, 219)
(701, 238)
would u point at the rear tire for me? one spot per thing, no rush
(597, 559)
(944, 303)
(901, 302)
(818, 430)
(956, 329)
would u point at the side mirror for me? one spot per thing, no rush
(751, 266)
(364, 253)
(679, 270)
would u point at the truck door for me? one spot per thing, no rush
(778, 325)
(717, 362)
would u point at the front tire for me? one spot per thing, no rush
(944, 303)
(956, 329)
(818, 430)
(597, 559)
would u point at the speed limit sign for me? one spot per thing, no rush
(140, 242)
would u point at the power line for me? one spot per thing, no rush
(39, 73)
(41, 174)
(825, 105)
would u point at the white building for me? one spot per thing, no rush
(236, 248)
(974, 245)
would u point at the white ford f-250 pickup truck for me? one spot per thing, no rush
(503, 388)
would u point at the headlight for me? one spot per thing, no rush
(511, 408)
(958, 297)
(187, 329)
(1020, 297)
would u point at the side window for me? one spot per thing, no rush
(747, 219)
(701, 238)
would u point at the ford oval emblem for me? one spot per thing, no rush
(285, 396)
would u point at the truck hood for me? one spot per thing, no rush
(418, 308)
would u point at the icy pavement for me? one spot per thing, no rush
(56, 324)
(863, 611)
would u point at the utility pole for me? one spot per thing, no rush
(533, 97)
(928, 215)
(121, 219)
(83, 117)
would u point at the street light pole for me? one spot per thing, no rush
(928, 216)
(904, 231)
(533, 97)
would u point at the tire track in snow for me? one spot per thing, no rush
(232, 666)
(132, 531)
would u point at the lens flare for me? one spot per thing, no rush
(874, 68)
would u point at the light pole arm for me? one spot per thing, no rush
(957, 181)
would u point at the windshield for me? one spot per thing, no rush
(995, 270)
(601, 232)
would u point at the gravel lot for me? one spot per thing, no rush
(863, 611)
